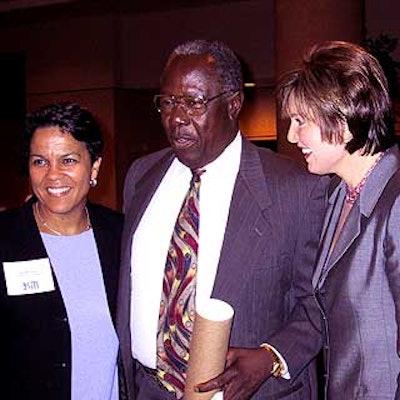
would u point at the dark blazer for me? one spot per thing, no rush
(267, 256)
(35, 342)
(358, 292)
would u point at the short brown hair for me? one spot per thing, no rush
(340, 82)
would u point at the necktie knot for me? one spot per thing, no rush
(196, 174)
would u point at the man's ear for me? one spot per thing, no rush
(235, 105)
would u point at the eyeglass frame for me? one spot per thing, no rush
(177, 100)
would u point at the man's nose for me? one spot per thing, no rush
(179, 116)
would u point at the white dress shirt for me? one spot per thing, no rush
(152, 238)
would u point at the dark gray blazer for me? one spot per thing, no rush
(358, 291)
(267, 257)
(35, 338)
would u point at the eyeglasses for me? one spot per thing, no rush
(193, 106)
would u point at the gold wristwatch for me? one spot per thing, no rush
(277, 365)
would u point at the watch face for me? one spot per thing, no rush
(277, 365)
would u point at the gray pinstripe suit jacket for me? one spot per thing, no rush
(267, 256)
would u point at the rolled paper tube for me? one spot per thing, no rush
(208, 347)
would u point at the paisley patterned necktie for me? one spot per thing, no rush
(177, 309)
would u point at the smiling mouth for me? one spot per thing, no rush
(306, 152)
(58, 191)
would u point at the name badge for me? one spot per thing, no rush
(28, 277)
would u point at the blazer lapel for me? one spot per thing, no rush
(327, 259)
(328, 230)
(349, 234)
(364, 206)
(145, 189)
(246, 221)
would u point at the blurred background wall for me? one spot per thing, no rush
(108, 55)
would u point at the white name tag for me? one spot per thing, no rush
(28, 277)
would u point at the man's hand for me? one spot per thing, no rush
(245, 372)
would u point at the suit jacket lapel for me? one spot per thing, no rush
(327, 233)
(146, 187)
(364, 206)
(250, 188)
(332, 216)
(142, 193)
(347, 237)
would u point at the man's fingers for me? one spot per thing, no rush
(219, 382)
(213, 384)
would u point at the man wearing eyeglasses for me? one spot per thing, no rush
(260, 217)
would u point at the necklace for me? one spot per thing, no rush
(50, 228)
(352, 194)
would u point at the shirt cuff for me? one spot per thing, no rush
(285, 369)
